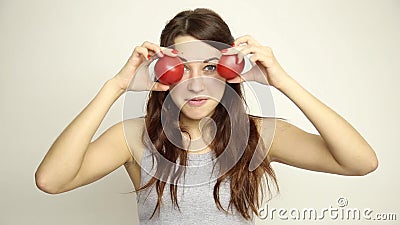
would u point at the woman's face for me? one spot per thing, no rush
(201, 88)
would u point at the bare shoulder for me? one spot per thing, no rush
(276, 124)
(135, 123)
(266, 127)
(271, 130)
(133, 131)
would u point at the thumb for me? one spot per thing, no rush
(237, 79)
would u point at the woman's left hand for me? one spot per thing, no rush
(262, 56)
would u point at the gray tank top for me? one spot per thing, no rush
(196, 202)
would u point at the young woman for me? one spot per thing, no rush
(170, 175)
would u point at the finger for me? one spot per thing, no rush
(242, 51)
(265, 60)
(228, 51)
(249, 49)
(153, 48)
(231, 51)
(234, 51)
(246, 39)
(170, 52)
(257, 51)
(255, 58)
(141, 51)
(237, 79)
(157, 86)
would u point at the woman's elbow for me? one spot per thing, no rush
(43, 185)
(373, 165)
(369, 166)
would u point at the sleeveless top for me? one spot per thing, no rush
(195, 199)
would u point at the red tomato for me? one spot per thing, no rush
(169, 70)
(228, 68)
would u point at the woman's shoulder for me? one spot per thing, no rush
(133, 131)
(137, 123)
(263, 123)
(270, 123)
(269, 127)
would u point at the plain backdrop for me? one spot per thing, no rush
(55, 56)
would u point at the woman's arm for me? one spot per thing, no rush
(73, 152)
(338, 149)
(74, 160)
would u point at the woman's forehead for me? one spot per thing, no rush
(197, 50)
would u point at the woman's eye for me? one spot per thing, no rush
(210, 68)
(185, 68)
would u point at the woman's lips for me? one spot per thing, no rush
(197, 101)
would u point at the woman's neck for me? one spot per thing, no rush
(197, 134)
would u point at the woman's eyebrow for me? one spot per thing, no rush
(210, 59)
(205, 61)
(183, 59)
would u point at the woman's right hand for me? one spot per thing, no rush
(129, 71)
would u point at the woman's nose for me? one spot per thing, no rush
(195, 81)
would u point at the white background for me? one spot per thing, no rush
(55, 55)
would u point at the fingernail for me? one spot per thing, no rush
(160, 54)
(224, 50)
(239, 60)
(148, 56)
(174, 51)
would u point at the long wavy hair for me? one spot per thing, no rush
(245, 185)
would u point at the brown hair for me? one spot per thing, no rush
(204, 24)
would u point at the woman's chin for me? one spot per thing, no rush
(195, 114)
